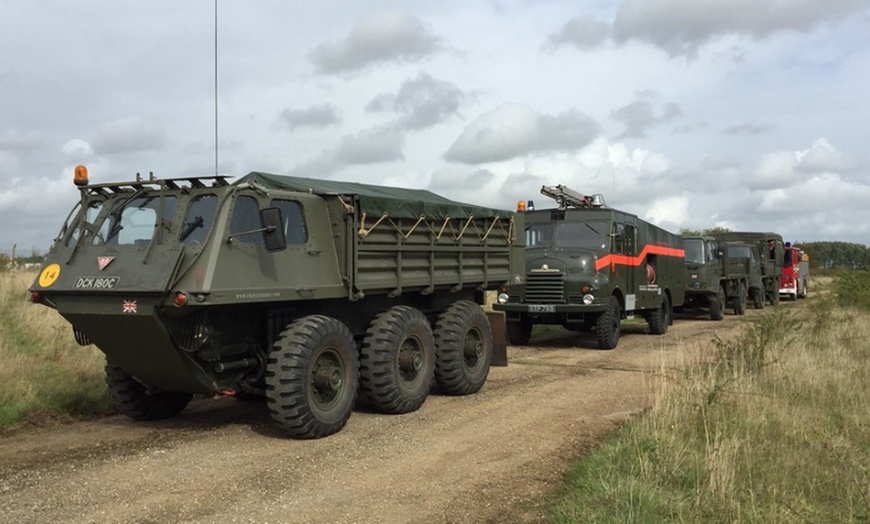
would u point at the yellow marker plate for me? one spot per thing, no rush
(49, 275)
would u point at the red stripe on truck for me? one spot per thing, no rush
(628, 260)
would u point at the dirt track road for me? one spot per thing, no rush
(483, 458)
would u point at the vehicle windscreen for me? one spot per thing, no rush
(132, 221)
(694, 250)
(586, 235)
(738, 252)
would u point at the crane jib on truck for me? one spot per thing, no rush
(588, 267)
(311, 294)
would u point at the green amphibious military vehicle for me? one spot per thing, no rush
(314, 294)
(589, 266)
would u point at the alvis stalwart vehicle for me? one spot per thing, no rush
(589, 266)
(311, 293)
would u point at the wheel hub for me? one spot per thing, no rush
(327, 377)
(410, 360)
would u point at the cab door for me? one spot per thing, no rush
(629, 278)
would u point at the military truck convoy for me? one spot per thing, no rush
(314, 294)
(725, 270)
(320, 295)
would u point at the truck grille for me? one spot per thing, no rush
(545, 288)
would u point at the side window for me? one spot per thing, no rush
(246, 217)
(198, 220)
(295, 229)
(618, 245)
(711, 251)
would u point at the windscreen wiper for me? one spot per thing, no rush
(197, 223)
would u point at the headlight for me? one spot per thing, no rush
(588, 299)
(503, 298)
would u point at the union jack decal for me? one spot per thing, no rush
(130, 306)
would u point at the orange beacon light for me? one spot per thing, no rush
(80, 178)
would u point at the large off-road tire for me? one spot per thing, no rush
(740, 300)
(757, 298)
(717, 305)
(773, 296)
(519, 332)
(138, 401)
(659, 320)
(312, 377)
(607, 326)
(463, 348)
(397, 361)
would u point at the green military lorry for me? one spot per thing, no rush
(719, 275)
(588, 267)
(769, 250)
(313, 294)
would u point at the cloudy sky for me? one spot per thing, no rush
(748, 114)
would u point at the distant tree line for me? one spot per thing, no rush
(710, 231)
(836, 255)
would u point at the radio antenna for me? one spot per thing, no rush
(215, 87)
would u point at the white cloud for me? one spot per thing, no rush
(584, 32)
(669, 212)
(314, 116)
(682, 27)
(749, 129)
(774, 170)
(390, 36)
(784, 169)
(370, 146)
(823, 157)
(422, 102)
(77, 148)
(513, 130)
(640, 116)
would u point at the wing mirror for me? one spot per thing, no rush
(273, 229)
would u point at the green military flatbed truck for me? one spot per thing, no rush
(589, 266)
(313, 294)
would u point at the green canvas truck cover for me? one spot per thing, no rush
(376, 200)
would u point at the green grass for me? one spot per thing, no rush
(774, 426)
(44, 372)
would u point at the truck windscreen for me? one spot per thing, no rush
(587, 235)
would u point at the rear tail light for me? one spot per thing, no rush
(180, 299)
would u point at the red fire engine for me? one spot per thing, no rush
(795, 273)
